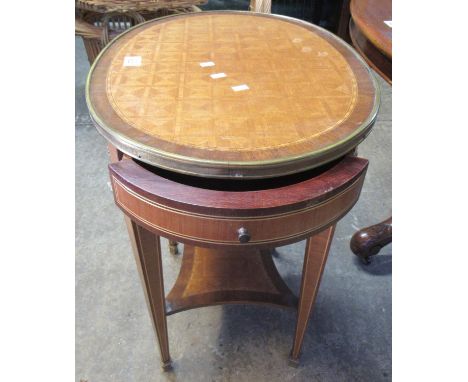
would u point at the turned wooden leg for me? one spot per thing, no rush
(147, 250)
(173, 247)
(370, 240)
(315, 257)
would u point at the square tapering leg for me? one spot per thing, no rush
(147, 250)
(315, 257)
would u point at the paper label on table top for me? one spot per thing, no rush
(206, 64)
(389, 23)
(218, 75)
(239, 88)
(132, 61)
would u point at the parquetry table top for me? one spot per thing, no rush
(232, 94)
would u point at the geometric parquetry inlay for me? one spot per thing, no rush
(299, 85)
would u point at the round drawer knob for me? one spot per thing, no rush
(244, 235)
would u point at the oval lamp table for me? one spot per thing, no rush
(233, 133)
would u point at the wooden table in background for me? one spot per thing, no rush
(233, 133)
(372, 38)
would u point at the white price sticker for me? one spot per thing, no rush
(239, 88)
(132, 61)
(218, 75)
(207, 64)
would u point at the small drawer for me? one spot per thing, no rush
(208, 217)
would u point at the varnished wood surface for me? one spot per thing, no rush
(214, 277)
(223, 269)
(371, 37)
(369, 17)
(381, 63)
(369, 241)
(309, 100)
(115, 155)
(239, 198)
(315, 258)
(270, 217)
(147, 251)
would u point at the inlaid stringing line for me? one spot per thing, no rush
(237, 218)
(236, 242)
(186, 141)
(354, 90)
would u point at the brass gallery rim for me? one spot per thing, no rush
(232, 94)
